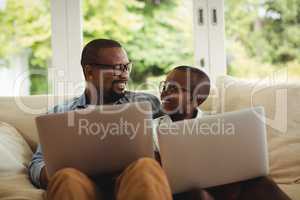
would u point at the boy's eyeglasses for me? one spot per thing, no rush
(174, 88)
(118, 69)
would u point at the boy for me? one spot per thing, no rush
(184, 89)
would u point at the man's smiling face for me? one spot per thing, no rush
(104, 79)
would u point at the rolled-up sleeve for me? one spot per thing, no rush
(37, 161)
(35, 167)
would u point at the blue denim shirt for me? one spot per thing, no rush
(37, 161)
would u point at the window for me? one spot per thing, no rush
(262, 37)
(157, 35)
(25, 46)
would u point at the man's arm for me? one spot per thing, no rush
(37, 170)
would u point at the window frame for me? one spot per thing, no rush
(66, 42)
(209, 37)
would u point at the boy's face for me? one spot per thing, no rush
(175, 93)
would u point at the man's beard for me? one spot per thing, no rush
(114, 96)
(109, 97)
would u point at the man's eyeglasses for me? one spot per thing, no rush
(118, 69)
(170, 87)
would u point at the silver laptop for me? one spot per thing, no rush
(98, 139)
(214, 150)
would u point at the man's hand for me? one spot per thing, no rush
(44, 178)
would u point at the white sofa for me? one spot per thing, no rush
(281, 102)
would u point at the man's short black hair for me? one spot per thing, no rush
(91, 49)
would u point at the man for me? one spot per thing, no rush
(106, 70)
(184, 89)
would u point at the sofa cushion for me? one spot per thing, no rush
(18, 186)
(211, 104)
(15, 152)
(15, 156)
(282, 106)
(292, 190)
(21, 112)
